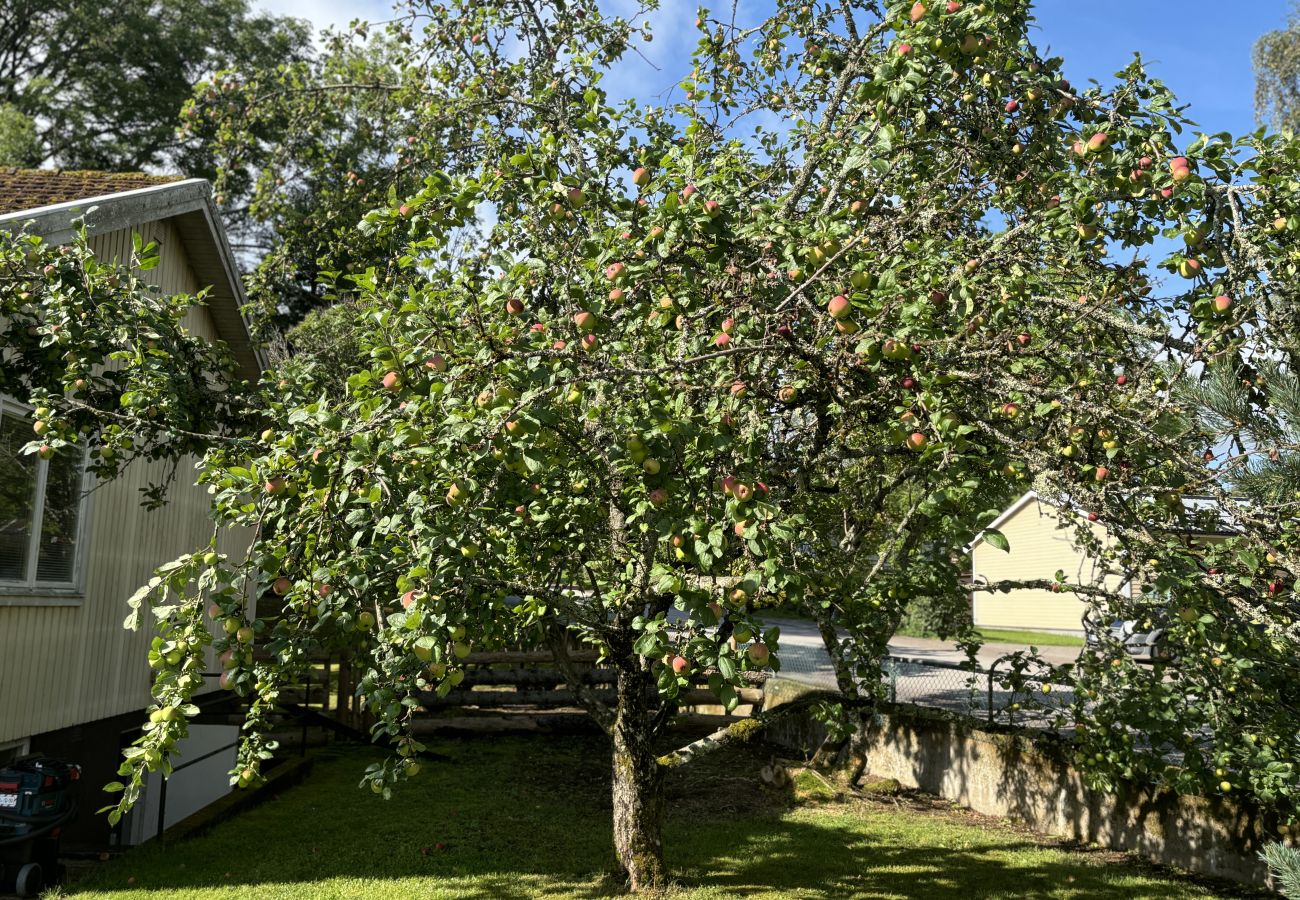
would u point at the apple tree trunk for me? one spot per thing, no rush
(638, 782)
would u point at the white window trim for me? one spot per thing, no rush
(49, 593)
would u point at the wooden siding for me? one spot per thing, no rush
(64, 665)
(1040, 547)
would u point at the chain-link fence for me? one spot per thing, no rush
(1017, 689)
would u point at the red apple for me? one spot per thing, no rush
(589, 342)
(712, 208)
(916, 440)
(641, 177)
(658, 497)
(585, 320)
(722, 340)
(392, 382)
(918, 12)
(274, 485)
(839, 306)
(680, 664)
(1101, 473)
(514, 306)
(614, 271)
(408, 599)
(904, 49)
(1222, 303)
(436, 362)
(689, 191)
(282, 585)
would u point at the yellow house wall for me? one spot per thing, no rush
(61, 665)
(1040, 548)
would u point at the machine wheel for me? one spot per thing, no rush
(29, 881)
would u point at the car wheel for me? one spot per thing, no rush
(29, 881)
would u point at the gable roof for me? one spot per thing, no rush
(48, 202)
(1024, 500)
(1192, 505)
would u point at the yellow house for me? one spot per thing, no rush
(1040, 544)
(73, 683)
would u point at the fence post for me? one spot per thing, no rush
(162, 805)
(306, 709)
(992, 669)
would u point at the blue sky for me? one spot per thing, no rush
(1201, 48)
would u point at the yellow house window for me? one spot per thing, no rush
(42, 511)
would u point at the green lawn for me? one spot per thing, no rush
(1007, 636)
(1037, 638)
(529, 817)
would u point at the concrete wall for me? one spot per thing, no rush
(190, 789)
(1011, 776)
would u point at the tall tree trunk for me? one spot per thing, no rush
(638, 781)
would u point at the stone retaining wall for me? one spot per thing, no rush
(1033, 782)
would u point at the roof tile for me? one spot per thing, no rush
(22, 189)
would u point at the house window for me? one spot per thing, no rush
(42, 511)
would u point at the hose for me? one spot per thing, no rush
(48, 826)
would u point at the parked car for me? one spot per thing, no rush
(1143, 640)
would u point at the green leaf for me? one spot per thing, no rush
(997, 539)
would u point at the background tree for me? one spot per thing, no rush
(1277, 75)
(102, 85)
(696, 363)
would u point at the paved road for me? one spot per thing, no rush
(804, 655)
(804, 658)
(921, 671)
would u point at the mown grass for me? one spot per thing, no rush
(1036, 638)
(523, 818)
(1010, 636)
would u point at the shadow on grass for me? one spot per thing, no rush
(530, 817)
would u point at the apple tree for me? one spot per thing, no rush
(792, 334)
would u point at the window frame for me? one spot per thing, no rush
(34, 592)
